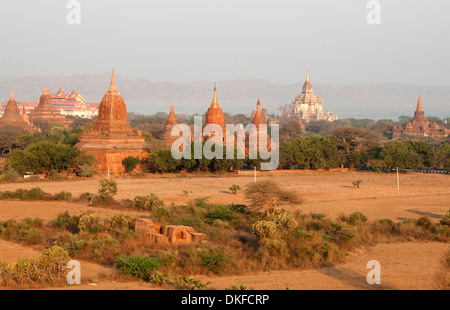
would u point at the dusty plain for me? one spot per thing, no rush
(410, 265)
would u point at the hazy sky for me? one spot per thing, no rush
(215, 40)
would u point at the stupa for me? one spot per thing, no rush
(171, 121)
(214, 115)
(112, 139)
(12, 117)
(45, 112)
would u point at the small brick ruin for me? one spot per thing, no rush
(167, 234)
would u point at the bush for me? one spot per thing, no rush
(221, 212)
(9, 175)
(107, 191)
(283, 220)
(86, 197)
(119, 222)
(87, 171)
(213, 258)
(130, 163)
(445, 219)
(89, 223)
(356, 183)
(65, 221)
(317, 216)
(424, 222)
(264, 229)
(356, 218)
(63, 196)
(234, 188)
(138, 266)
(147, 203)
(55, 176)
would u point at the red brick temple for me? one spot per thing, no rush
(419, 125)
(12, 117)
(112, 139)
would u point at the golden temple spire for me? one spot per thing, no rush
(112, 88)
(12, 96)
(307, 75)
(419, 103)
(214, 102)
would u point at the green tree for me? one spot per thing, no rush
(107, 190)
(44, 156)
(130, 163)
(163, 161)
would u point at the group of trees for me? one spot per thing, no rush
(362, 148)
(52, 150)
(350, 143)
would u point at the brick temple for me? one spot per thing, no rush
(12, 117)
(45, 113)
(419, 125)
(112, 139)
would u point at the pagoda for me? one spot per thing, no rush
(170, 123)
(309, 106)
(419, 125)
(215, 115)
(45, 112)
(112, 139)
(12, 117)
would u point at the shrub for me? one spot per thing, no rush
(86, 197)
(189, 220)
(383, 226)
(32, 236)
(268, 195)
(63, 196)
(107, 190)
(161, 213)
(356, 218)
(119, 222)
(424, 222)
(264, 229)
(317, 216)
(130, 163)
(65, 221)
(89, 223)
(147, 203)
(159, 278)
(55, 176)
(138, 266)
(213, 258)
(87, 171)
(283, 220)
(9, 175)
(234, 188)
(356, 183)
(445, 219)
(238, 287)
(221, 212)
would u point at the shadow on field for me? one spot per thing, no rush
(354, 279)
(432, 215)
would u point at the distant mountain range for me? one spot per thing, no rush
(381, 100)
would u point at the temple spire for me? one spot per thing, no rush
(419, 103)
(214, 103)
(12, 96)
(307, 75)
(113, 88)
(46, 91)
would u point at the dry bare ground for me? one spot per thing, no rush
(404, 265)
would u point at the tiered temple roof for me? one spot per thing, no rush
(112, 139)
(419, 125)
(309, 106)
(45, 112)
(12, 117)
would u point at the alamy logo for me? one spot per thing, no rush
(249, 139)
(374, 15)
(74, 274)
(74, 15)
(374, 275)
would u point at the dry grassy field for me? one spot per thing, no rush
(408, 265)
